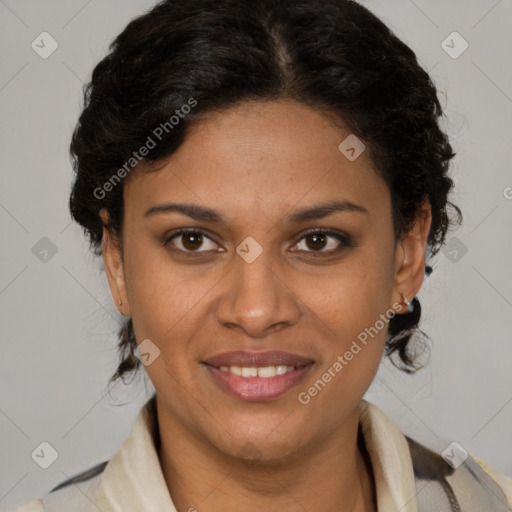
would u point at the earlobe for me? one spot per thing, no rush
(410, 259)
(114, 267)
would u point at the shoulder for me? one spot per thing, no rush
(503, 481)
(30, 506)
(67, 493)
(470, 483)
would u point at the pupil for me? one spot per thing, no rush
(318, 241)
(192, 241)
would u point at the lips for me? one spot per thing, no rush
(257, 359)
(277, 372)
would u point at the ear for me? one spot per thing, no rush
(410, 258)
(114, 267)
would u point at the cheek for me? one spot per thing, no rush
(356, 315)
(351, 296)
(164, 304)
(158, 295)
(354, 305)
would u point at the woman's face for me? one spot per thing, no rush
(256, 178)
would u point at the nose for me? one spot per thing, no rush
(257, 299)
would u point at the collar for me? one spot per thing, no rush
(390, 459)
(133, 479)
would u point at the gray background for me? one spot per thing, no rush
(57, 321)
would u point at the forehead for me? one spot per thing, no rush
(262, 157)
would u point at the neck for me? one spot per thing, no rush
(333, 475)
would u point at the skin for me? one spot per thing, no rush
(256, 164)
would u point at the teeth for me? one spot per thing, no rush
(262, 371)
(235, 370)
(267, 371)
(249, 372)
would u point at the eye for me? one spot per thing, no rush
(322, 241)
(190, 240)
(193, 241)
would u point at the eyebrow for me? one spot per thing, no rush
(324, 210)
(194, 211)
(204, 214)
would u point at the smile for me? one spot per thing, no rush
(257, 375)
(264, 371)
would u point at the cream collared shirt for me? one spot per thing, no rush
(133, 480)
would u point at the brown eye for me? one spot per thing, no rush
(191, 241)
(323, 242)
(316, 241)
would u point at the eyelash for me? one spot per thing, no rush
(340, 236)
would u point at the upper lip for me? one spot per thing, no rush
(249, 359)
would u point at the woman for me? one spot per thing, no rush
(263, 180)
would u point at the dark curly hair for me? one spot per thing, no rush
(332, 55)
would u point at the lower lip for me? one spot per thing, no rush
(257, 389)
